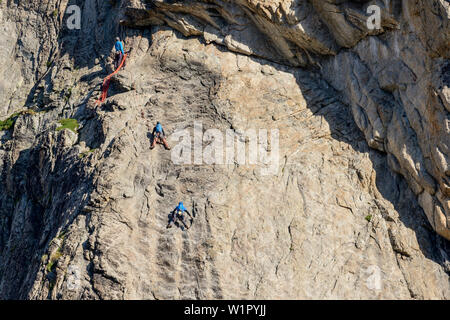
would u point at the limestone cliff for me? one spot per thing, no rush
(358, 206)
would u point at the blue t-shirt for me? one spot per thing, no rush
(119, 47)
(159, 128)
(180, 207)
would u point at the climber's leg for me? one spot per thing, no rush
(155, 140)
(189, 214)
(117, 60)
(172, 220)
(164, 142)
(120, 59)
(192, 218)
(181, 218)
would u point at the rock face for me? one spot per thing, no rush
(355, 204)
(396, 84)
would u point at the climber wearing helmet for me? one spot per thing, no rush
(119, 53)
(159, 136)
(178, 214)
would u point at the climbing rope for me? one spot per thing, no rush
(107, 81)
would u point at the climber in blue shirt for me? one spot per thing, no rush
(159, 136)
(178, 214)
(119, 53)
(158, 128)
(119, 46)
(181, 207)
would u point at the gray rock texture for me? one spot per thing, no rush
(358, 207)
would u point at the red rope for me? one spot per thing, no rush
(107, 81)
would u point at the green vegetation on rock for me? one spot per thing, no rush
(9, 123)
(71, 124)
(53, 259)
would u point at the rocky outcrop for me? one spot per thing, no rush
(83, 212)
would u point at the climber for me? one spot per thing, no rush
(119, 53)
(178, 214)
(159, 136)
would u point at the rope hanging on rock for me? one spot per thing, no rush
(107, 81)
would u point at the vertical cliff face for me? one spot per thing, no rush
(357, 206)
(394, 78)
